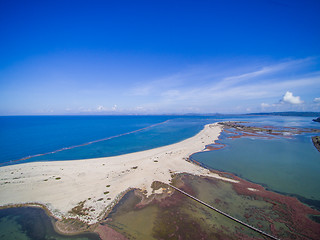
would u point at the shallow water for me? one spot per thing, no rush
(28, 223)
(21, 137)
(283, 165)
(286, 165)
(179, 217)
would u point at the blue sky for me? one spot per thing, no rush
(154, 57)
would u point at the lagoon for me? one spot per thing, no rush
(289, 166)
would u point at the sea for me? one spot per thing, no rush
(288, 166)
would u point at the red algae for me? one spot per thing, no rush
(175, 216)
(293, 213)
(106, 233)
(239, 133)
(213, 147)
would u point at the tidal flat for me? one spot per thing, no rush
(179, 217)
(166, 213)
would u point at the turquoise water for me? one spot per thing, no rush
(290, 166)
(25, 136)
(22, 136)
(284, 165)
(172, 131)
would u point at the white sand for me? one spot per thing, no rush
(61, 185)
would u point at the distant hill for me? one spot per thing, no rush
(297, 114)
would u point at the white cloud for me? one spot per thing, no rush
(219, 90)
(289, 98)
(316, 100)
(115, 107)
(265, 105)
(263, 71)
(270, 69)
(101, 108)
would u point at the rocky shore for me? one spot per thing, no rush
(316, 142)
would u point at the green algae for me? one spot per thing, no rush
(136, 224)
(179, 217)
(131, 222)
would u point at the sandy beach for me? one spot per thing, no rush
(93, 186)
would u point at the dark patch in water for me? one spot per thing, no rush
(315, 204)
(315, 218)
(37, 225)
(127, 202)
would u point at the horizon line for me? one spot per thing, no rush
(161, 114)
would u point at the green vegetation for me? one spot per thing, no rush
(80, 209)
(156, 185)
(179, 217)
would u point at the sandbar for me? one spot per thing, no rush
(87, 189)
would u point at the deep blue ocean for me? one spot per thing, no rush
(289, 166)
(24, 136)
(273, 163)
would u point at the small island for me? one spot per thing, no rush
(316, 119)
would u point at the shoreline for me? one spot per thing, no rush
(49, 214)
(86, 189)
(316, 142)
(13, 162)
(164, 163)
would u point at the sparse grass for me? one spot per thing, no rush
(79, 209)
(156, 185)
